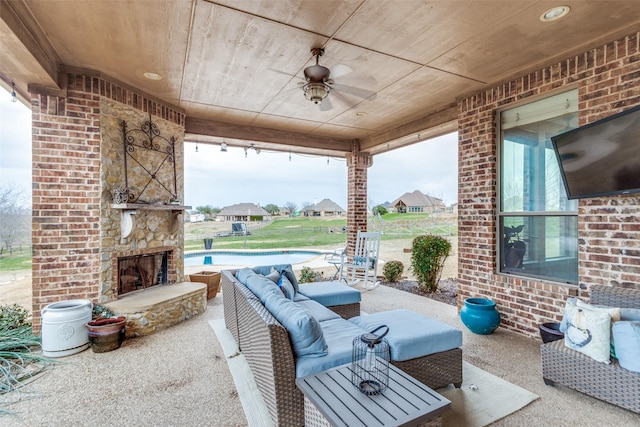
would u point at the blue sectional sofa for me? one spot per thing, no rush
(285, 334)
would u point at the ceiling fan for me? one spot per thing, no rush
(317, 87)
(319, 84)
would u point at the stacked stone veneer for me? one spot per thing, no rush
(152, 227)
(608, 81)
(77, 160)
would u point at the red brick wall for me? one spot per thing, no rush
(66, 201)
(357, 164)
(67, 187)
(608, 81)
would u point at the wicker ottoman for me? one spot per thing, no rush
(424, 348)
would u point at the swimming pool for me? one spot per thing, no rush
(248, 258)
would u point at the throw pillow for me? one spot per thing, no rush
(274, 276)
(588, 332)
(626, 336)
(286, 287)
(563, 323)
(614, 312)
(257, 283)
(304, 330)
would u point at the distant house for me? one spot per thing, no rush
(243, 212)
(194, 216)
(326, 207)
(418, 202)
(284, 211)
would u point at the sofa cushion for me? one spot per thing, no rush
(330, 293)
(257, 283)
(299, 297)
(339, 335)
(626, 336)
(588, 332)
(317, 310)
(304, 330)
(411, 335)
(282, 269)
(286, 287)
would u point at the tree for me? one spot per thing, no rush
(292, 206)
(15, 217)
(271, 208)
(379, 209)
(207, 210)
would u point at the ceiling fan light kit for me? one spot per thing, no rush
(316, 92)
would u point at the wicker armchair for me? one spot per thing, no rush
(572, 369)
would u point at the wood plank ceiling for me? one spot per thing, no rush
(236, 66)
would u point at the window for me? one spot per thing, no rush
(537, 224)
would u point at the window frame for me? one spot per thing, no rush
(500, 215)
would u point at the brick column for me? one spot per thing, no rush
(66, 195)
(357, 164)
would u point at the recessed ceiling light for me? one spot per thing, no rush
(555, 13)
(152, 76)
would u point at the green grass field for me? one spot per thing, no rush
(285, 233)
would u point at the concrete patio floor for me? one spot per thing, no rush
(179, 376)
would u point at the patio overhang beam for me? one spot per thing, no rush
(213, 132)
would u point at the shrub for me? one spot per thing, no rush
(307, 275)
(427, 260)
(13, 316)
(392, 271)
(18, 360)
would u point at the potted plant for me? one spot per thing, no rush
(514, 247)
(106, 331)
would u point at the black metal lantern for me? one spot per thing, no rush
(370, 362)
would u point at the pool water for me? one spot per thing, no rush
(248, 258)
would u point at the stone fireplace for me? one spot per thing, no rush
(82, 159)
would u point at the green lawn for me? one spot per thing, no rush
(17, 261)
(292, 233)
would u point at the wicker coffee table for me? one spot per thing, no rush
(331, 400)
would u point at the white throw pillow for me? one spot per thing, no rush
(588, 332)
(614, 312)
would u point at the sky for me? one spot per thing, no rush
(221, 179)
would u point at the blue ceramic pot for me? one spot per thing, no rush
(480, 315)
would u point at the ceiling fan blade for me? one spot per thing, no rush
(352, 90)
(340, 70)
(325, 105)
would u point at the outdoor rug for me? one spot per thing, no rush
(482, 399)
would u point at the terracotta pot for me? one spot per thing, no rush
(106, 334)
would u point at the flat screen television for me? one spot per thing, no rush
(601, 158)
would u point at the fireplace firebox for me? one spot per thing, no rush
(136, 271)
